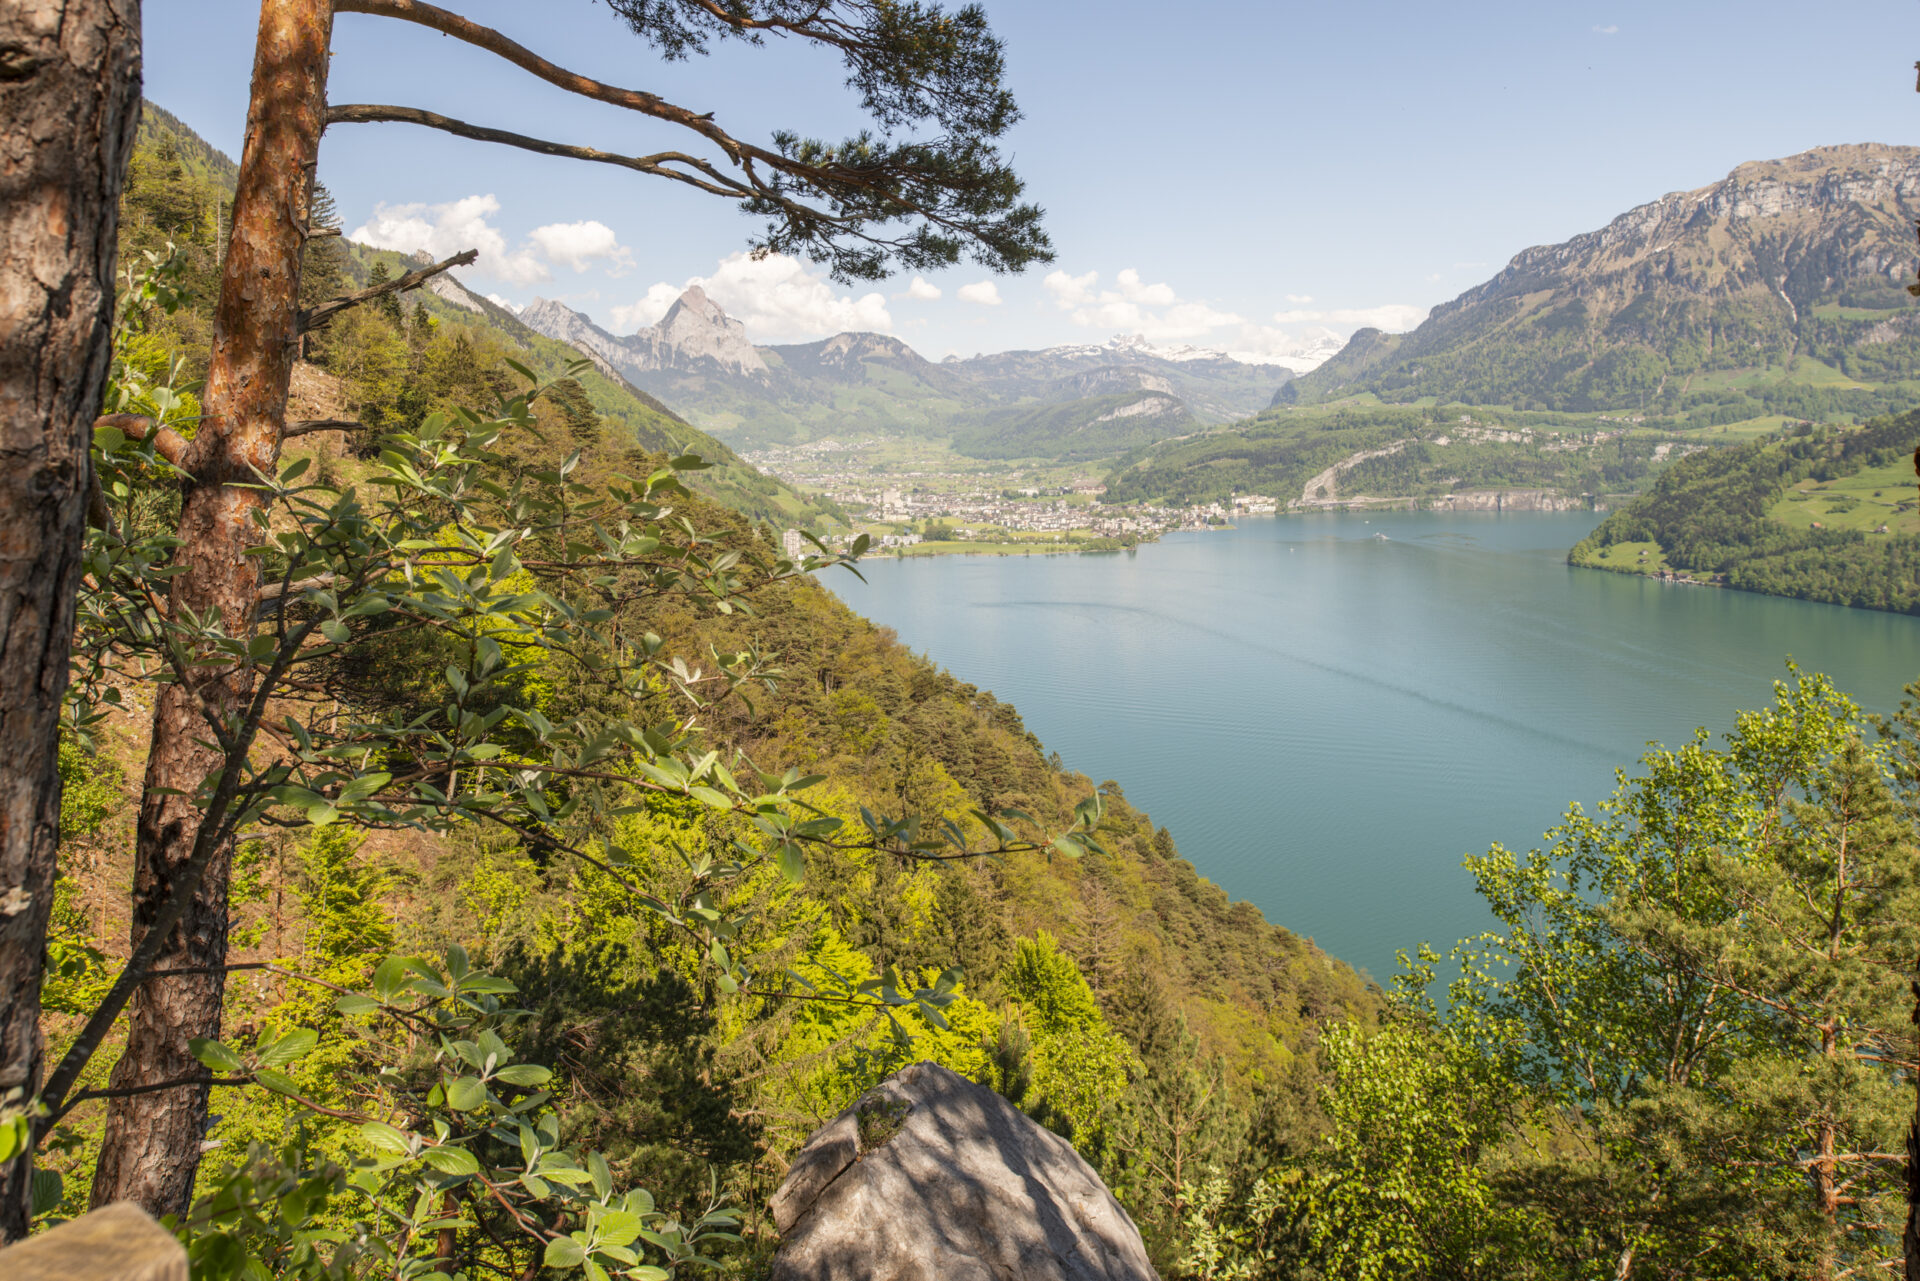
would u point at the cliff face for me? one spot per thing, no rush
(693, 336)
(1724, 277)
(1511, 500)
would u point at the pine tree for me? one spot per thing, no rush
(387, 304)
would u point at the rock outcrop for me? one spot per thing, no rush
(1512, 500)
(694, 335)
(929, 1177)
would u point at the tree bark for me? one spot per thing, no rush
(1910, 1236)
(150, 1150)
(69, 105)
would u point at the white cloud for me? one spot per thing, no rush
(579, 245)
(920, 290)
(629, 317)
(778, 299)
(983, 292)
(1134, 290)
(1394, 317)
(1070, 291)
(1298, 338)
(1152, 310)
(508, 303)
(447, 229)
(1611, 29)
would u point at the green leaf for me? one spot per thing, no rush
(793, 864)
(14, 1133)
(451, 1160)
(390, 979)
(564, 1252)
(290, 1048)
(602, 1176)
(356, 1005)
(363, 787)
(275, 1081)
(617, 1227)
(384, 1137)
(466, 1094)
(215, 1056)
(46, 1191)
(527, 1074)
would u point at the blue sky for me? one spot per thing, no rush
(1231, 175)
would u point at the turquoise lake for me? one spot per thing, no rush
(1329, 711)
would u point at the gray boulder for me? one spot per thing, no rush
(929, 1177)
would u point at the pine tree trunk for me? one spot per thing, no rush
(1910, 1238)
(151, 1147)
(69, 104)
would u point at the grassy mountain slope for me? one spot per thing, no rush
(1776, 290)
(848, 384)
(1082, 430)
(1827, 515)
(1381, 452)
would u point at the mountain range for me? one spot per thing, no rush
(1783, 276)
(1070, 402)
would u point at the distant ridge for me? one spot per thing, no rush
(1056, 402)
(1782, 259)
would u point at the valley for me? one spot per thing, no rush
(917, 496)
(756, 714)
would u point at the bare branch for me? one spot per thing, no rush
(129, 1091)
(452, 24)
(706, 177)
(274, 591)
(307, 426)
(314, 317)
(167, 442)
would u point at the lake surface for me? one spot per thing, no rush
(1328, 720)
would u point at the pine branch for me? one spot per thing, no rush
(707, 178)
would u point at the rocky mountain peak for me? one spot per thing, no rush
(694, 329)
(1622, 316)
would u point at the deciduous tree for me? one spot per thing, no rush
(921, 188)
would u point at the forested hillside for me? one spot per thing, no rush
(1417, 454)
(1119, 997)
(1085, 430)
(396, 362)
(1824, 514)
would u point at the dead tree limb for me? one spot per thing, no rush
(314, 317)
